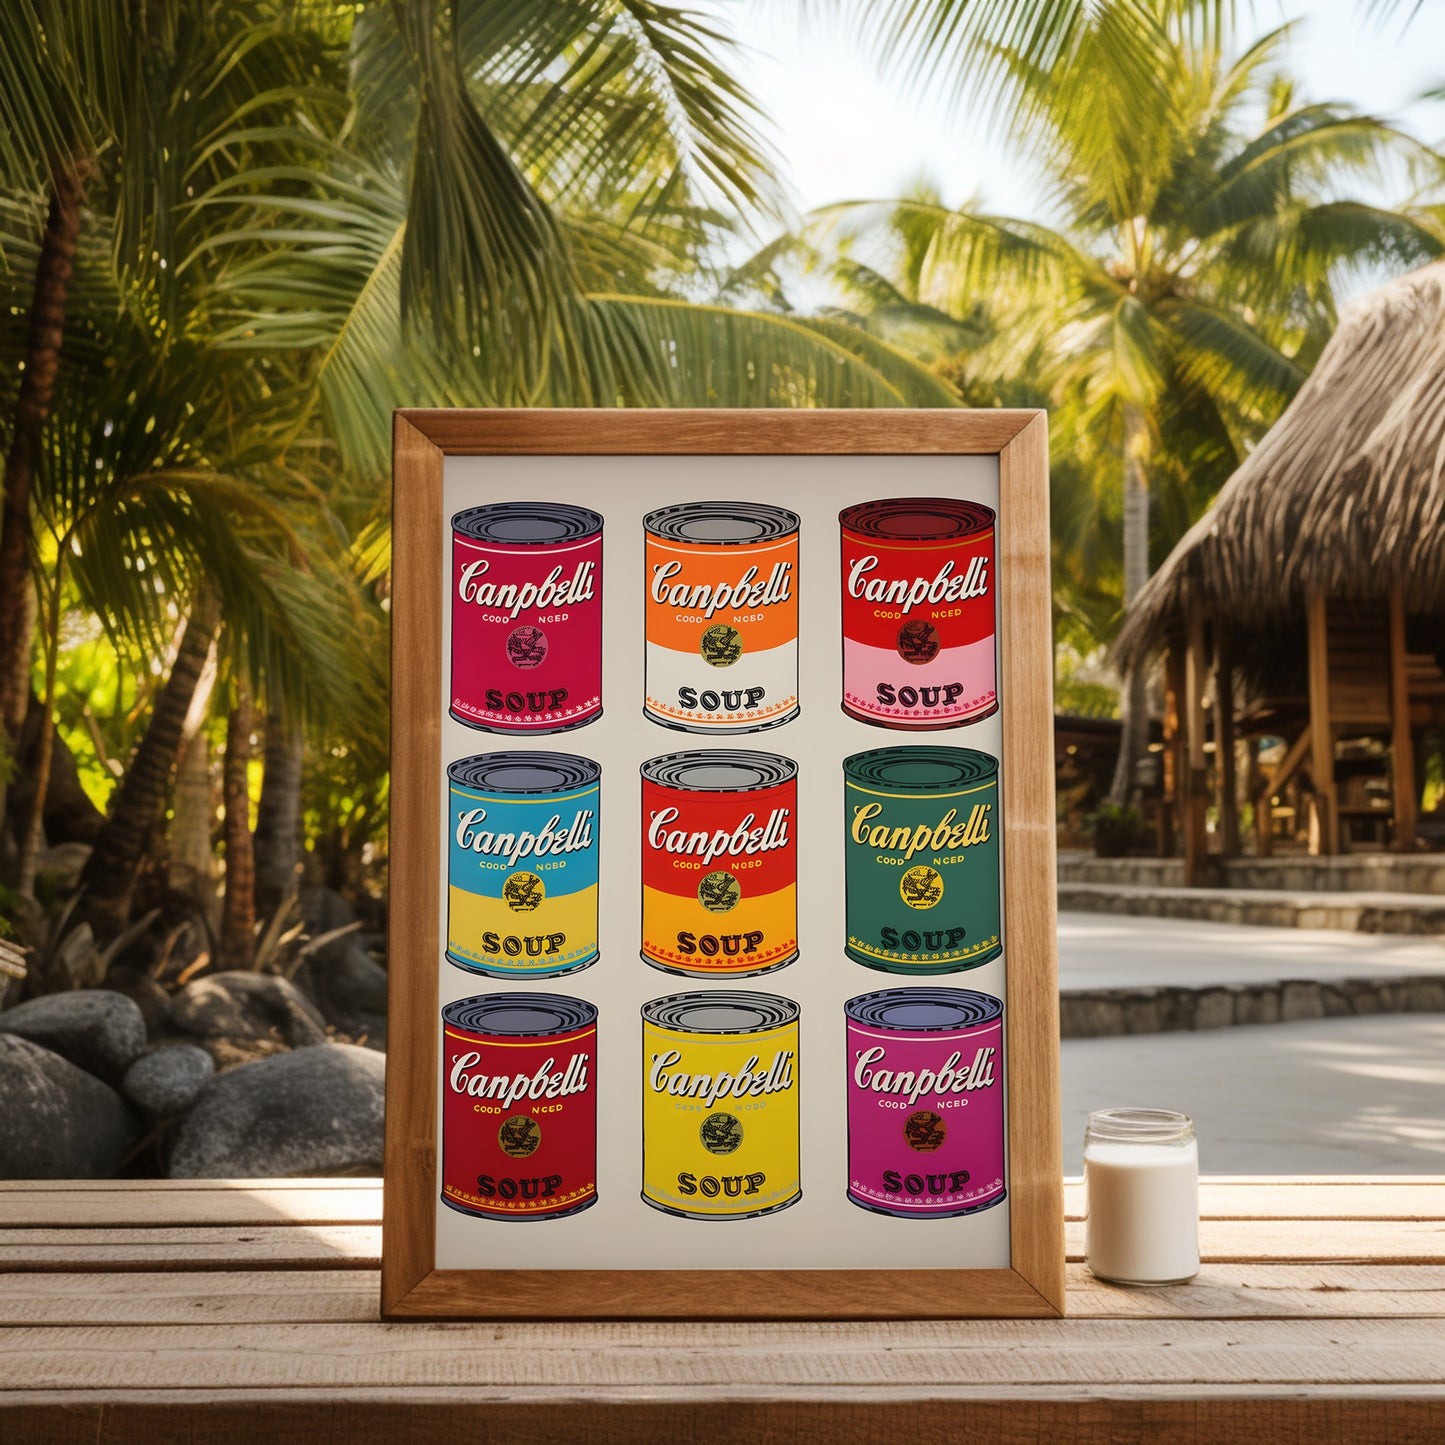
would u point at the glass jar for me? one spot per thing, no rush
(1141, 1188)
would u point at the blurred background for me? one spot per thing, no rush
(234, 236)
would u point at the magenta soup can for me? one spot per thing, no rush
(925, 1102)
(526, 617)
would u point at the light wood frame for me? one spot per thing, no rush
(411, 1286)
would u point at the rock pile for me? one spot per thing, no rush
(237, 1075)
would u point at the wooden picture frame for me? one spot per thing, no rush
(412, 1287)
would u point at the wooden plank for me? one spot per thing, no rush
(1265, 1240)
(157, 1203)
(87, 1299)
(1402, 1241)
(743, 1360)
(147, 1204)
(1269, 1291)
(1029, 842)
(1402, 747)
(413, 942)
(124, 1186)
(837, 431)
(813, 1417)
(1221, 1291)
(1196, 793)
(337, 1246)
(1227, 784)
(1279, 1199)
(1324, 831)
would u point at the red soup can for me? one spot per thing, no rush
(918, 612)
(519, 1106)
(526, 617)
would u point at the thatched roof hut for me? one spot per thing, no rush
(1318, 575)
(1346, 493)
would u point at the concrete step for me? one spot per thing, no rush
(1108, 1012)
(1420, 873)
(1417, 913)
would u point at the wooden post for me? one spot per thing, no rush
(1402, 747)
(1196, 784)
(1324, 822)
(1262, 798)
(1226, 783)
(1170, 812)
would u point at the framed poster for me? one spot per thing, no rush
(723, 975)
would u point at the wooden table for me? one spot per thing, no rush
(247, 1312)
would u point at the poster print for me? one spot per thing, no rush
(733, 1098)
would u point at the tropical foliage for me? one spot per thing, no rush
(235, 234)
(1205, 218)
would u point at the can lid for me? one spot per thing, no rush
(917, 519)
(719, 770)
(721, 524)
(928, 769)
(924, 1010)
(524, 773)
(726, 1011)
(520, 1015)
(527, 524)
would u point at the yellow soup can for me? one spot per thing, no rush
(720, 1104)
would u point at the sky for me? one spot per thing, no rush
(846, 131)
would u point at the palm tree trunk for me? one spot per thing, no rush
(191, 858)
(238, 911)
(278, 816)
(1134, 700)
(49, 296)
(110, 874)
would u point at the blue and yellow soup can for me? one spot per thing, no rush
(522, 864)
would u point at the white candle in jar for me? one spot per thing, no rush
(1141, 1182)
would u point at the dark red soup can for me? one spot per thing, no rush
(519, 1105)
(918, 612)
(526, 617)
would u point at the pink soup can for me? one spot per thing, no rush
(925, 1102)
(526, 617)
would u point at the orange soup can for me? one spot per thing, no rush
(722, 616)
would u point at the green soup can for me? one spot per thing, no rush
(921, 831)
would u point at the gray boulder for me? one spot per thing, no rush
(145, 993)
(57, 1121)
(95, 1028)
(248, 1006)
(323, 909)
(316, 1111)
(346, 981)
(168, 1080)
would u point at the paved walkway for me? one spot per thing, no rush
(1332, 1096)
(1109, 951)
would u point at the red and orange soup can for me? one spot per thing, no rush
(918, 612)
(519, 1106)
(722, 616)
(719, 863)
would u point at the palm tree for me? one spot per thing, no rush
(1188, 288)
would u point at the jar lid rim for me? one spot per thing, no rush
(1151, 1125)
